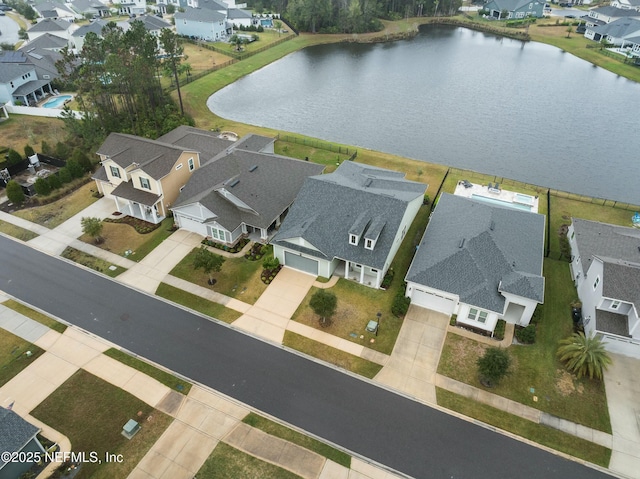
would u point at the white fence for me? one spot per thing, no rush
(35, 111)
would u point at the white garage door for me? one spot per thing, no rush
(432, 301)
(192, 225)
(301, 263)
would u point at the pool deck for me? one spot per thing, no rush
(503, 195)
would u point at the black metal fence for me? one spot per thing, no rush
(322, 145)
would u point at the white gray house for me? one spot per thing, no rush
(201, 23)
(616, 33)
(349, 223)
(244, 190)
(479, 261)
(19, 82)
(60, 28)
(605, 266)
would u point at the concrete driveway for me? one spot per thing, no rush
(622, 382)
(414, 360)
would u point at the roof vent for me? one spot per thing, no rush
(235, 182)
(253, 168)
(461, 243)
(368, 182)
(492, 225)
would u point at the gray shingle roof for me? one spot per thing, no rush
(610, 11)
(93, 27)
(605, 240)
(127, 191)
(619, 28)
(211, 5)
(267, 190)
(151, 22)
(46, 42)
(200, 15)
(155, 158)
(621, 281)
(511, 5)
(86, 5)
(253, 142)
(50, 25)
(15, 432)
(236, 13)
(11, 71)
(206, 142)
(330, 206)
(613, 323)
(475, 250)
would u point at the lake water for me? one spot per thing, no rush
(453, 96)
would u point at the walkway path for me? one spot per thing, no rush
(201, 420)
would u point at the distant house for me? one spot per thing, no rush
(46, 41)
(626, 4)
(515, 8)
(143, 176)
(615, 33)
(151, 23)
(237, 18)
(44, 59)
(479, 261)
(80, 34)
(93, 8)
(19, 81)
(349, 223)
(605, 265)
(59, 28)
(17, 436)
(603, 15)
(245, 190)
(201, 23)
(55, 10)
(133, 7)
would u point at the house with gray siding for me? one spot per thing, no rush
(605, 266)
(17, 436)
(349, 223)
(19, 82)
(515, 9)
(201, 23)
(479, 261)
(615, 33)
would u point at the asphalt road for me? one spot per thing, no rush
(388, 428)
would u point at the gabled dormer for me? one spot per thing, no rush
(358, 227)
(373, 232)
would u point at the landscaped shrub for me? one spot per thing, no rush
(14, 192)
(54, 182)
(493, 366)
(453, 320)
(46, 149)
(75, 168)
(63, 151)
(256, 252)
(231, 249)
(400, 304)
(82, 159)
(388, 278)
(64, 175)
(28, 151)
(526, 335)
(42, 186)
(13, 157)
(498, 332)
(141, 226)
(537, 315)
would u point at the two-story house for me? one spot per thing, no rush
(201, 23)
(143, 176)
(605, 266)
(608, 14)
(514, 9)
(59, 28)
(618, 33)
(19, 82)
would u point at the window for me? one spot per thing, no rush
(115, 171)
(615, 304)
(144, 182)
(368, 244)
(353, 239)
(191, 164)
(573, 234)
(182, 187)
(596, 282)
(178, 166)
(477, 315)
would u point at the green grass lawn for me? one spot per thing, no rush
(239, 277)
(228, 462)
(91, 413)
(197, 303)
(331, 355)
(159, 375)
(539, 433)
(92, 262)
(35, 315)
(295, 437)
(16, 231)
(12, 355)
(535, 366)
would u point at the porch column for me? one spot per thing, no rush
(378, 279)
(346, 269)
(142, 213)
(263, 234)
(117, 204)
(361, 274)
(278, 221)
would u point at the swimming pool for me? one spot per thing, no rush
(506, 204)
(57, 102)
(524, 199)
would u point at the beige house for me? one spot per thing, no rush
(144, 177)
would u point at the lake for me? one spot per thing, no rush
(458, 97)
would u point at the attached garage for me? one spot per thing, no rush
(301, 263)
(433, 301)
(190, 224)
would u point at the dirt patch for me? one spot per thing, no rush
(466, 352)
(565, 384)
(563, 230)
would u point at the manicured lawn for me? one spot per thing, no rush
(315, 154)
(197, 303)
(35, 315)
(544, 435)
(239, 277)
(300, 439)
(119, 237)
(12, 355)
(16, 231)
(331, 355)
(56, 213)
(91, 413)
(92, 262)
(226, 462)
(159, 375)
(535, 366)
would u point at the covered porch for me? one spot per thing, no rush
(139, 204)
(359, 273)
(31, 92)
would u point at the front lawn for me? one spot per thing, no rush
(239, 277)
(119, 238)
(92, 262)
(13, 357)
(197, 303)
(91, 413)
(35, 315)
(582, 401)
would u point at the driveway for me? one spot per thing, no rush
(414, 360)
(622, 382)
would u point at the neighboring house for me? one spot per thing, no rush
(245, 190)
(19, 82)
(133, 7)
(59, 28)
(603, 15)
(93, 8)
(515, 8)
(47, 42)
(152, 24)
(605, 265)
(80, 34)
(43, 59)
(17, 436)
(626, 4)
(201, 23)
(237, 18)
(143, 176)
(349, 223)
(615, 33)
(479, 261)
(54, 10)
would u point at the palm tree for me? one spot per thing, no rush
(584, 355)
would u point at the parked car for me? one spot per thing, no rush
(581, 29)
(569, 16)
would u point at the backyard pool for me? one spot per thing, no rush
(506, 204)
(57, 102)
